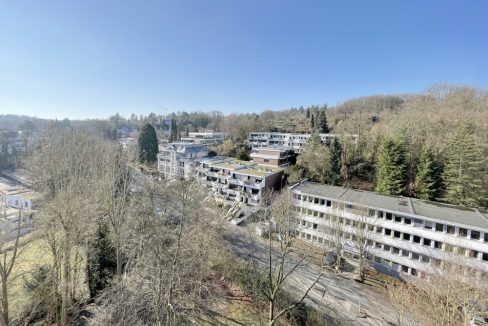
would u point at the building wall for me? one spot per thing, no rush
(401, 244)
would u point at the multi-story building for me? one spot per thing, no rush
(236, 180)
(405, 236)
(207, 138)
(177, 160)
(287, 140)
(274, 156)
(16, 196)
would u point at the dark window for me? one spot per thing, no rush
(398, 218)
(389, 217)
(322, 202)
(437, 244)
(380, 214)
(406, 236)
(485, 256)
(486, 236)
(439, 227)
(416, 239)
(397, 234)
(425, 259)
(265, 160)
(428, 225)
(315, 226)
(475, 235)
(427, 242)
(371, 212)
(405, 253)
(379, 229)
(463, 232)
(387, 232)
(386, 248)
(329, 203)
(407, 221)
(315, 200)
(396, 250)
(404, 269)
(451, 229)
(413, 271)
(415, 256)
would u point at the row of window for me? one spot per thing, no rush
(398, 235)
(438, 227)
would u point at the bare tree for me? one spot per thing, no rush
(280, 261)
(9, 249)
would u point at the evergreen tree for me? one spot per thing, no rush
(312, 123)
(321, 122)
(242, 154)
(148, 144)
(463, 164)
(308, 113)
(101, 261)
(428, 177)
(391, 168)
(335, 162)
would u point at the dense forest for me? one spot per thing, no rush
(431, 145)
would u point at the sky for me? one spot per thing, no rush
(93, 58)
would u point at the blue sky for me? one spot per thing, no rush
(92, 58)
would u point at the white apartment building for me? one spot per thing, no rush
(177, 160)
(16, 196)
(287, 140)
(236, 180)
(207, 138)
(406, 236)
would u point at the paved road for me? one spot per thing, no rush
(337, 296)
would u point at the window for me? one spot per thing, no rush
(397, 234)
(407, 221)
(387, 232)
(386, 247)
(437, 244)
(265, 160)
(475, 235)
(380, 214)
(398, 219)
(486, 236)
(417, 222)
(405, 253)
(463, 232)
(451, 229)
(315, 200)
(378, 245)
(315, 226)
(396, 251)
(413, 271)
(329, 203)
(371, 212)
(425, 259)
(389, 217)
(379, 229)
(321, 215)
(416, 239)
(427, 242)
(406, 236)
(439, 227)
(404, 269)
(415, 256)
(428, 225)
(484, 256)
(322, 202)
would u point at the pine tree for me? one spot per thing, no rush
(321, 122)
(391, 168)
(312, 123)
(335, 162)
(463, 163)
(428, 177)
(101, 261)
(308, 113)
(148, 144)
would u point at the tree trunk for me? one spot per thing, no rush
(4, 320)
(65, 295)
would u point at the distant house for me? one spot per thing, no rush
(241, 181)
(288, 140)
(126, 132)
(280, 157)
(16, 196)
(207, 138)
(177, 160)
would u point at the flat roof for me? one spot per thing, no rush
(412, 206)
(241, 167)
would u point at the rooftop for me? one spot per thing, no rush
(241, 167)
(439, 211)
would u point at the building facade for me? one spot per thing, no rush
(405, 237)
(207, 138)
(241, 181)
(280, 157)
(288, 140)
(178, 160)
